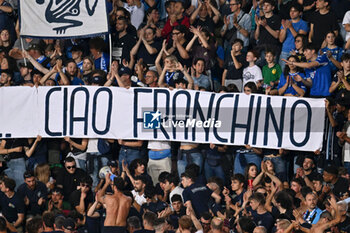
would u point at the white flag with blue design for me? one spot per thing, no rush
(62, 18)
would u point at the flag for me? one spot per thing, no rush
(62, 18)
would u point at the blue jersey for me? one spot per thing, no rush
(290, 89)
(320, 76)
(336, 54)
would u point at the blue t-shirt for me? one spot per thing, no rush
(336, 54)
(75, 82)
(199, 196)
(288, 44)
(320, 76)
(290, 89)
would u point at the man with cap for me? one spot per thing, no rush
(97, 78)
(69, 225)
(117, 205)
(335, 184)
(34, 51)
(77, 56)
(34, 194)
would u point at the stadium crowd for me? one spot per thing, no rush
(290, 47)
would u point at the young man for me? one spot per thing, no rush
(271, 73)
(196, 195)
(117, 205)
(234, 64)
(82, 199)
(322, 21)
(171, 186)
(237, 186)
(268, 29)
(290, 29)
(178, 210)
(34, 194)
(318, 72)
(260, 215)
(12, 203)
(176, 17)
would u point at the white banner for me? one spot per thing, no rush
(63, 19)
(163, 114)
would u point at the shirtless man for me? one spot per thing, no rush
(117, 206)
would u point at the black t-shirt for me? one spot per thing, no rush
(148, 58)
(322, 25)
(313, 175)
(41, 149)
(232, 72)
(174, 218)
(208, 23)
(265, 220)
(265, 37)
(13, 143)
(40, 191)
(176, 53)
(340, 187)
(70, 182)
(199, 196)
(154, 207)
(122, 46)
(10, 207)
(74, 199)
(308, 14)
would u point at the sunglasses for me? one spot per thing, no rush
(71, 167)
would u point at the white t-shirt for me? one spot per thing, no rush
(252, 74)
(136, 14)
(346, 20)
(159, 145)
(140, 199)
(177, 190)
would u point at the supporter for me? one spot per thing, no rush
(34, 194)
(344, 138)
(34, 225)
(261, 217)
(101, 60)
(196, 195)
(300, 44)
(6, 78)
(129, 151)
(176, 17)
(139, 192)
(252, 73)
(48, 221)
(152, 20)
(77, 56)
(307, 172)
(82, 198)
(234, 64)
(205, 220)
(312, 214)
(340, 184)
(250, 173)
(69, 177)
(318, 73)
(25, 71)
(136, 9)
(271, 73)
(322, 21)
(35, 51)
(6, 17)
(134, 225)
(267, 30)
(87, 68)
(152, 203)
(341, 81)
(179, 210)
(12, 204)
(36, 153)
(171, 186)
(200, 79)
(177, 45)
(146, 47)
(56, 202)
(291, 80)
(5, 41)
(205, 15)
(237, 187)
(43, 174)
(236, 25)
(77, 149)
(69, 225)
(290, 29)
(206, 47)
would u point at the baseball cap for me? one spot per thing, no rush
(34, 47)
(331, 170)
(69, 224)
(112, 163)
(125, 70)
(97, 80)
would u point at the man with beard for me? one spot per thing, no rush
(123, 42)
(57, 203)
(138, 192)
(34, 194)
(308, 172)
(70, 74)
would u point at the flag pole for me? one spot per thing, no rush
(110, 51)
(25, 60)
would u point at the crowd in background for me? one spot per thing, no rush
(287, 48)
